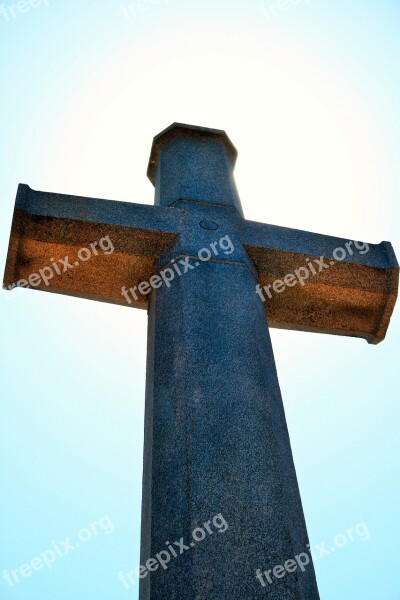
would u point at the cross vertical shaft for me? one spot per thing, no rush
(216, 440)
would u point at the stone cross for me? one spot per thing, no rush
(220, 495)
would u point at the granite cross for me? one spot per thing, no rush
(216, 440)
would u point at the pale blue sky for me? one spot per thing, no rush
(310, 96)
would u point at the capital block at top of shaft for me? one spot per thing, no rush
(194, 163)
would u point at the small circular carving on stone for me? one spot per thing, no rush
(210, 225)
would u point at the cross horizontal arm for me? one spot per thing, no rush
(47, 228)
(324, 284)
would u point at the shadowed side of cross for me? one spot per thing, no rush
(216, 440)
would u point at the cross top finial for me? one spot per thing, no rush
(193, 163)
(195, 131)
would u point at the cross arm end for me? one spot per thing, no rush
(324, 284)
(86, 247)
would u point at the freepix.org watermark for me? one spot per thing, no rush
(301, 561)
(63, 265)
(274, 8)
(178, 267)
(131, 10)
(313, 267)
(11, 11)
(47, 558)
(164, 557)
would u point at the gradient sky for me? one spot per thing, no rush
(310, 96)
